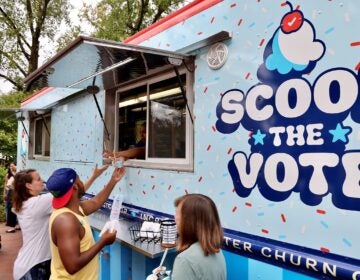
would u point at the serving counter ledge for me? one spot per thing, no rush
(152, 250)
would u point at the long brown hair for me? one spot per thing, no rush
(9, 172)
(199, 222)
(21, 192)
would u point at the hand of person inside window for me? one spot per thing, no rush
(108, 154)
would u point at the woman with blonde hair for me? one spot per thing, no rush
(200, 240)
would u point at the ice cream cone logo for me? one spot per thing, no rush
(283, 109)
(283, 56)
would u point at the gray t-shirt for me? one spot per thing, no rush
(192, 264)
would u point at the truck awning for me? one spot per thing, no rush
(50, 96)
(89, 61)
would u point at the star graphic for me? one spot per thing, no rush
(259, 137)
(340, 133)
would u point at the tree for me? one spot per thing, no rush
(23, 24)
(119, 19)
(8, 125)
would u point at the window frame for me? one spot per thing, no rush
(183, 164)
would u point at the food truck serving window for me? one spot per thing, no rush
(153, 114)
(143, 97)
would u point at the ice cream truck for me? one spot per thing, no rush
(252, 103)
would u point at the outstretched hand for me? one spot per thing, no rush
(97, 171)
(118, 173)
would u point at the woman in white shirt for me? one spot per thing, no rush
(33, 211)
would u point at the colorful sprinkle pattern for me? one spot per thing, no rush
(77, 138)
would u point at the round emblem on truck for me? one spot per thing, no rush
(217, 55)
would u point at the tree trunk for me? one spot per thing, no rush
(34, 55)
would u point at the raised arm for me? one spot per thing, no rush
(131, 153)
(90, 206)
(138, 152)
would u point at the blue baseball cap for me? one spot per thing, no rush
(60, 184)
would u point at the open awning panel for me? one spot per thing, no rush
(89, 61)
(50, 96)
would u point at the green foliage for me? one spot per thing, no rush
(68, 37)
(22, 24)
(119, 19)
(12, 100)
(2, 181)
(3, 171)
(2, 213)
(8, 125)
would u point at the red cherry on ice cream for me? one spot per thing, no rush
(292, 21)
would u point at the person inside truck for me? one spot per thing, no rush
(200, 240)
(138, 151)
